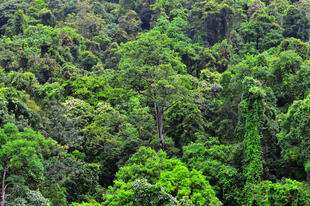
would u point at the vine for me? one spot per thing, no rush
(252, 112)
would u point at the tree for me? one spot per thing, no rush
(19, 22)
(129, 26)
(21, 157)
(85, 21)
(231, 123)
(296, 24)
(19, 109)
(284, 70)
(171, 175)
(287, 192)
(261, 32)
(140, 193)
(213, 159)
(294, 138)
(252, 110)
(111, 133)
(171, 8)
(182, 122)
(61, 8)
(151, 68)
(70, 178)
(47, 17)
(175, 28)
(7, 10)
(212, 21)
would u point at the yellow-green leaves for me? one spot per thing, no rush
(169, 174)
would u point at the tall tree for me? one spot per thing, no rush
(252, 111)
(151, 68)
(294, 138)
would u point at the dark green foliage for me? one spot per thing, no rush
(183, 121)
(261, 32)
(213, 159)
(88, 60)
(129, 26)
(152, 70)
(301, 48)
(296, 24)
(18, 22)
(61, 8)
(285, 69)
(7, 11)
(18, 108)
(111, 134)
(268, 193)
(213, 20)
(47, 17)
(294, 138)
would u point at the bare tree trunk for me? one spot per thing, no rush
(159, 120)
(3, 187)
(161, 132)
(159, 123)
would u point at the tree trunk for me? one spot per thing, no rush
(161, 132)
(159, 123)
(3, 187)
(159, 120)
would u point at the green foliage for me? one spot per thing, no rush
(183, 121)
(154, 76)
(140, 192)
(294, 137)
(93, 203)
(7, 11)
(31, 197)
(252, 111)
(301, 48)
(16, 109)
(85, 21)
(212, 83)
(47, 17)
(261, 32)
(268, 193)
(61, 8)
(212, 158)
(56, 195)
(144, 49)
(35, 7)
(129, 26)
(70, 179)
(170, 174)
(111, 133)
(88, 60)
(296, 24)
(19, 22)
(285, 69)
(22, 155)
(214, 20)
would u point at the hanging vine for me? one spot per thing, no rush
(252, 110)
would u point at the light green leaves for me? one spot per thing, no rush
(170, 174)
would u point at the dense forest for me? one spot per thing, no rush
(155, 102)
